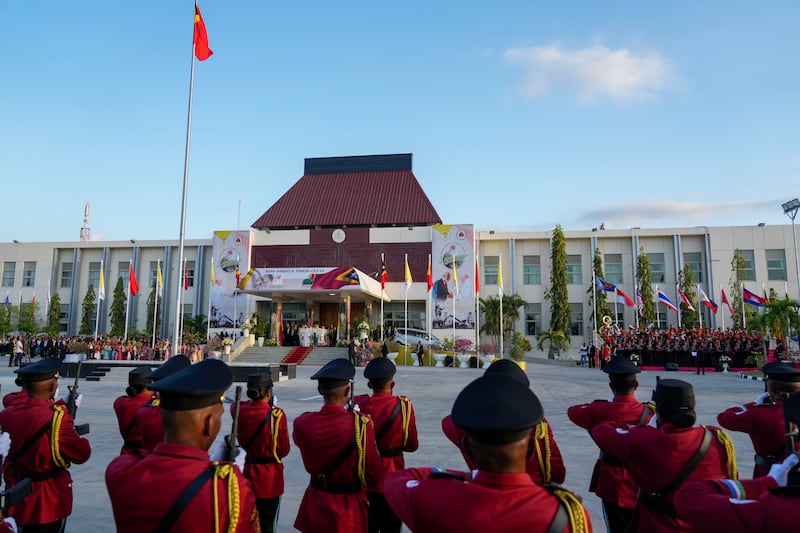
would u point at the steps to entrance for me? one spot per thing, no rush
(297, 355)
(98, 373)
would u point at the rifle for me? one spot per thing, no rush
(231, 440)
(72, 408)
(351, 402)
(15, 494)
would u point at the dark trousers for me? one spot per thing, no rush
(381, 517)
(701, 363)
(617, 518)
(52, 527)
(268, 513)
(419, 357)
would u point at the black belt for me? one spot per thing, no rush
(397, 452)
(655, 503)
(610, 460)
(44, 476)
(325, 485)
(264, 461)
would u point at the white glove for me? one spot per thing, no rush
(65, 398)
(760, 400)
(653, 422)
(240, 457)
(219, 452)
(12, 523)
(611, 398)
(780, 471)
(5, 443)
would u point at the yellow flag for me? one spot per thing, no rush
(455, 275)
(101, 293)
(500, 273)
(213, 280)
(160, 281)
(408, 274)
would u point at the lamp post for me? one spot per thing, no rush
(790, 209)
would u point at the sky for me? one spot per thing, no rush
(520, 114)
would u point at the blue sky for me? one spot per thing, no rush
(520, 115)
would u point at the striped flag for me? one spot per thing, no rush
(662, 298)
(213, 279)
(384, 274)
(711, 304)
(159, 281)
(686, 301)
(409, 279)
(639, 302)
(429, 275)
(455, 275)
(101, 292)
(500, 275)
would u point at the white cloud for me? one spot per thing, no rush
(593, 73)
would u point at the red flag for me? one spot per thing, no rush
(133, 285)
(686, 301)
(384, 274)
(335, 279)
(726, 302)
(201, 49)
(186, 275)
(624, 298)
(477, 278)
(429, 275)
(238, 276)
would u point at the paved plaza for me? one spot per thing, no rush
(432, 390)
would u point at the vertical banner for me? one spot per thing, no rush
(230, 253)
(453, 254)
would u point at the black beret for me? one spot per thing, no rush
(259, 380)
(338, 369)
(497, 409)
(379, 368)
(41, 370)
(781, 372)
(195, 386)
(621, 365)
(176, 363)
(138, 376)
(508, 368)
(673, 394)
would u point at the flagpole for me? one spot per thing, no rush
(594, 302)
(616, 314)
(500, 291)
(477, 304)
(182, 238)
(699, 309)
(383, 268)
(408, 284)
(155, 304)
(183, 285)
(744, 313)
(455, 293)
(429, 302)
(638, 309)
(723, 312)
(128, 305)
(97, 311)
(208, 316)
(678, 300)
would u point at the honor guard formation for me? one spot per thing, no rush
(657, 470)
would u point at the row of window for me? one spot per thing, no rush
(29, 273)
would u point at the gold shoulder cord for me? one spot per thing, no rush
(543, 456)
(405, 410)
(361, 422)
(724, 439)
(574, 508)
(55, 431)
(274, 425)
(223, 471)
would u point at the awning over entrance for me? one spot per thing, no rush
(316, 283)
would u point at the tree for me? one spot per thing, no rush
(644, 276)
(689, 318)
(560, 310)
(54, 315)
(558, 341)
(597, 298)
(117, 312)
(778, 318)
(28, 317)
(490, 308)
(151, 301)
(5, 320)
(196, 325)
(87, 312)
(738, 275)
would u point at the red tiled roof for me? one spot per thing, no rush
(352, 198)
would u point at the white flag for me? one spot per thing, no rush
(101, 293)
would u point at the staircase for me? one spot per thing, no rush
(98, 373)
(262, 355)
(297, 355)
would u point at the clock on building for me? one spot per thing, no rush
(338, 235)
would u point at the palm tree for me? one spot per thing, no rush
(558, 341)
(777, 319)
(490, 307)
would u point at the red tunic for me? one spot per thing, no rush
(765, 426)
(746, 508)
(261, 467)
(322, 438)
(612, 483)
(50, 499)
(144, 485)
(490, 502)
(125, 408)
(148, 420)
(538, 463)
(15, 398)
(380, 407)
(655, 457)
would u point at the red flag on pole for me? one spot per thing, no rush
(429, 276)
(201, 49)
(726, 302)
(133, 285)
(477, 278)
(185, 275)
(238, 276)
(384, 274)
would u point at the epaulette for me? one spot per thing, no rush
(439, 473)
(571, 503)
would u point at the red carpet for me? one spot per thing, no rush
(709, 369)
(297, 355)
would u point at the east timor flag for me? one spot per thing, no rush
(201, 49)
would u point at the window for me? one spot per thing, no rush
(749, 260)
(9, 268)
(656, 267)
(776, 265)
(187, 312)
(533, 318)
(66, 275)
(574, 270)
(531, 270)
(694, 260)
(63, 317)
(29, 273)
(661, 319)
(577, 319)
(612, 267)
(490, 265)
(154, 273)
(620, 319)
(94, 275)
(190, 273)
(124, 272)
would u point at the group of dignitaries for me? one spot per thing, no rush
(657, 470)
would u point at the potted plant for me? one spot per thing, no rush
(227, 342)
(725, 360)
(519, 346)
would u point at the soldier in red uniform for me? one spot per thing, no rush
(176, 487)
(339, 451)
(762, 419)
(545, 464)
(395, 433)
(497, 413)
(125, 407)
(43, 444)
(148, 417)
(264, 434)
(611, 481)
(662, 459)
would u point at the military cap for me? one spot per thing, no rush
(259, 380)
(621, 366)
(335, 374)
(176, 363)
(781, 372)
(41, 370)
(379, 368)
(508, 368)
(497, 409)
(138, 376)
(673, 394)
(195, 386)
